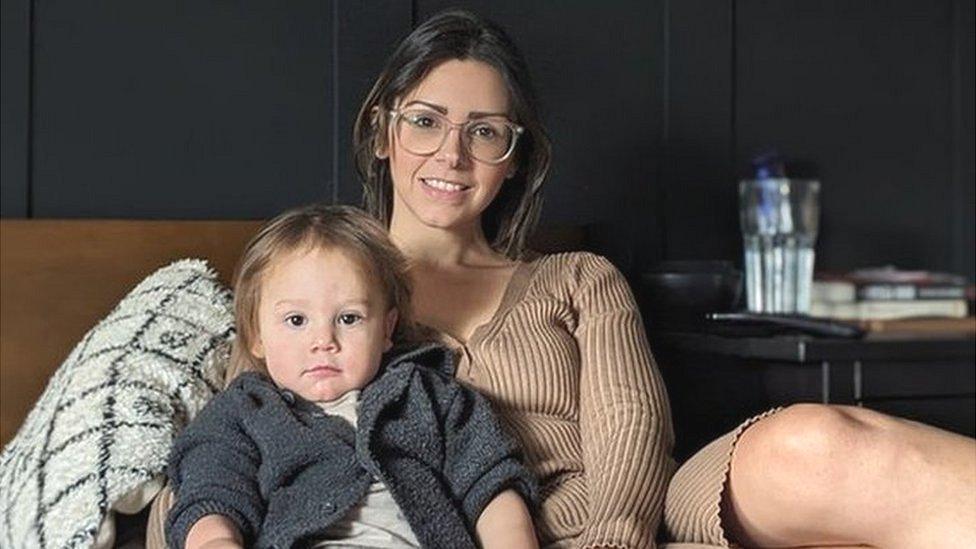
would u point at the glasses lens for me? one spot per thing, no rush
(421, 131)
(489, 139)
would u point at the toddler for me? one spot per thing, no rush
(330, 435)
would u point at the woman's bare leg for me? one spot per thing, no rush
(818, 475)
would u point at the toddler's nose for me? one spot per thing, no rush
(325, 341)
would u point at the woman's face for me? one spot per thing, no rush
(449, 189)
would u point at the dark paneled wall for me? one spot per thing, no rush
(173, 109)
(865, 90)
(15, 108)
(238, 110)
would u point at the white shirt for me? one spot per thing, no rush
(376, 521)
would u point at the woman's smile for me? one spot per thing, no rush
(442, 190)
(444, 185)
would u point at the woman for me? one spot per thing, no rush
(453, 157)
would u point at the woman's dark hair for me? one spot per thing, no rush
(457, 34)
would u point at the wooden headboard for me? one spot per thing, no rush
(59, 277)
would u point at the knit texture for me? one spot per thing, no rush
(566, 364)
(283, 471)
(103, 426)
(692, 510)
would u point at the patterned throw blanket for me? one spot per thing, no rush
(99, 436)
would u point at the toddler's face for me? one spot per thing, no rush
(322, 324)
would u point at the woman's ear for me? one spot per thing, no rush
(391, 322)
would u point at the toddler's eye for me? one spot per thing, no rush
(295, 320)
(348, 319)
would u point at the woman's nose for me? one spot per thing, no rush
(452, 150)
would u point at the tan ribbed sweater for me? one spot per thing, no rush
(566, 363)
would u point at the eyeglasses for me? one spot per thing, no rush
(490, 139)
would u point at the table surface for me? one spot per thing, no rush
(807, 349)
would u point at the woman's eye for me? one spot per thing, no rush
(348, 319)
(484, 132)
(423, 121)
(295, 320)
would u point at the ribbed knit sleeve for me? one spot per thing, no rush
(566, 364)
(625, 420)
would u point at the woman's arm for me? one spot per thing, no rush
(214, 532)
(506, 522)
(625, 418)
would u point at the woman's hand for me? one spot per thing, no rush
(214, 532)
(506, 522)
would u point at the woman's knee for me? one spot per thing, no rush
(789, 460)
(816, 440)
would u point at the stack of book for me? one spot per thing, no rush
(886, 294)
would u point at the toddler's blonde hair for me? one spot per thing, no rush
(344, 228)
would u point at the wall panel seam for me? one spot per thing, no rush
(335, 102)
(29, 175)
(733, 90)
(663, 167)
(957, 224)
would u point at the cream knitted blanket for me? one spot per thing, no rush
(99, 436)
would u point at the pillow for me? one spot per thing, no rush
(99, 437)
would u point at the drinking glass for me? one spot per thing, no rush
(779, 218)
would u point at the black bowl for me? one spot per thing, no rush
(686, 295)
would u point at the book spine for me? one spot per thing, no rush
(831, 290)
(907, 292)
(883, 310)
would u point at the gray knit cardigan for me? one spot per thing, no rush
(283, 471)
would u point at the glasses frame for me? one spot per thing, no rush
(397, 114)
